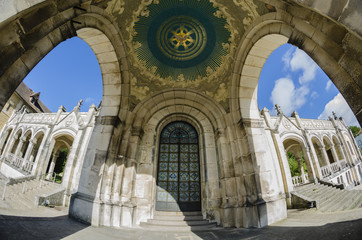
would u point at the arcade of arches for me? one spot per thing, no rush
(179, 127)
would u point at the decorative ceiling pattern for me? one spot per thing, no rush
(181, 38)
(184, 44)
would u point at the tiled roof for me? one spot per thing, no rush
(27, 95)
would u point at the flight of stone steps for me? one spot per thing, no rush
(15, 199)
(177, 221)
(331, 199)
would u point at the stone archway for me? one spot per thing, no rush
(272, 30)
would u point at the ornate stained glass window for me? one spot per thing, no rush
(178, 176)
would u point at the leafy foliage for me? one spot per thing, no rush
(293, 164)
(61, 161)
(354, 130)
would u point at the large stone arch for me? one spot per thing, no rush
(35, 32)
(327, 44)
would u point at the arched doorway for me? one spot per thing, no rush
(178, 171)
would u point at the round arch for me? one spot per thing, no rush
(272, 30)
(94, 27)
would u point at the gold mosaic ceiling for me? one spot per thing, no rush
(179, 43)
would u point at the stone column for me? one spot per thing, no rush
(325, 157)
(2, 140)
(83, 136)
(52, 165)
(38, 155)
(45, 154)
(298, 158)
(281, 155)
(32, 142)
(313, 155)
(260, 175)
(28, 152)
(339, 145)
(71, 160)
(314, 168)
(20, 145)
(335, 155)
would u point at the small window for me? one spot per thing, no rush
(8, 107)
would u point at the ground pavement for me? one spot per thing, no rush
(50, 223)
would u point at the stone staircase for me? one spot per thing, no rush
(331, 199)
(177, 221)
(15, 199)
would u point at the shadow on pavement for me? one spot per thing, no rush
(14, 227)
(348, 230)
(18, 227)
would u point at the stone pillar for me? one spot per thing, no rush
(339, 145)
(2, 140)
(82, 148)
(20, 145)
(28, 151)
(298, 158)
(32, 142)
(335, 155)
(313, 175)
(38, 155)
(260, 177)
(52, 165)
(282, 157)
(10, 145)
(87, 203)
(71, 160)
(325, 157)
(45, 154)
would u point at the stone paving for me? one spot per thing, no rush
(46, 223)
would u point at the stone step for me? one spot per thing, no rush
(305, 188)
(167, 213)
(334, 201)
(345, 202)
(353, 202)
(331, 199)
(177, 222)
(327, 196)
(319, 192)
(178, 218)
(165, 228)
(18, 200)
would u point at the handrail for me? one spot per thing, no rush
(24, 189)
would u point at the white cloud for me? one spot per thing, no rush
(89, 100)
(287, 57)
(339, 105)
(328, 85)
(301, 61)
(314, 95)
(287, 96)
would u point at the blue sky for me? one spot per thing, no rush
(68, 73)
(291, 79)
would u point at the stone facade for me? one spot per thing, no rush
(23, 97)
(327, 147)
(151, 79)
(31, 142)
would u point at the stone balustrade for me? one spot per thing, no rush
(299, 180)
(343, 164)
(18, 162)
(325, 171)
(335, 167)
(27, 166)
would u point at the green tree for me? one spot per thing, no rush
(293, 165)
(354, 130)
